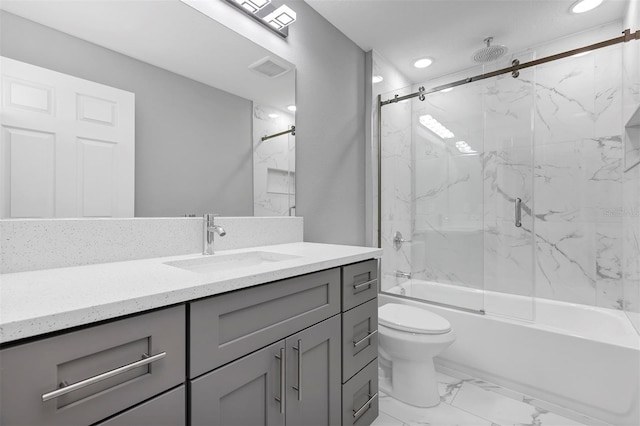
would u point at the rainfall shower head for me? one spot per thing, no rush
(489, 53)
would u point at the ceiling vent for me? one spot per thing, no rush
(270, 67)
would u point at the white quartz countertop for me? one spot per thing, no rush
(37, 302)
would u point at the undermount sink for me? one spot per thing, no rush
(226, 262)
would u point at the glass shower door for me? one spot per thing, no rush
(447, 251)
(508, 105)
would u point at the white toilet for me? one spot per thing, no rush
(409, 338)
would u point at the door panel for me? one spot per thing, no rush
(241, 393)
(313, 397)
(88, 130)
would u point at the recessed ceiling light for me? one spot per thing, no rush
(436, 127)
(423, 62)
(377, 79)
(272, 115)
(582, 6)
(292, 108)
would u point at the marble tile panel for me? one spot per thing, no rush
(498, 409)
(565, 261)
(579, 180)
(608, 91)
(565, 100)
(386, 420)
(441, 415)
(631, 245)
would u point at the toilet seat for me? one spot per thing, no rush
(412, 319)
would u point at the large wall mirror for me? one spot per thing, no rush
(152, 103)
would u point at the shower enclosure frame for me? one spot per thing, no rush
(514, 69)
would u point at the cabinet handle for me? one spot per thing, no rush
(283, 385)
(365, 284)
(356, 413)
(299, 386)
(518, 213)
(370, 334)
(65, 389)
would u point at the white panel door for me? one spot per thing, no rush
(67, 145)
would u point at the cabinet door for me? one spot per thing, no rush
(359, 283)
(165, 410)
(359, 338)
(245, 392)
(313, 375)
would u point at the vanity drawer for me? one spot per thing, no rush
(229, 326)
(359, 283)
(360, 397)
(359, 338)
(168, 409)
(152, 345)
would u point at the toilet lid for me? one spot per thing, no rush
(412, 319)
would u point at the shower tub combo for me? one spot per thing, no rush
(582, 358)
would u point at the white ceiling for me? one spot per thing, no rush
(168, 34)
(450, 31)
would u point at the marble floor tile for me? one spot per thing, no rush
(473, 402)
(502, 410)
(441, 415)
(386, 420)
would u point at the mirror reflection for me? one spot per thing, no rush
(139, 108)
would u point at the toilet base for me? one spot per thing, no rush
(413, 383)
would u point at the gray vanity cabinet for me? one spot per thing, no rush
(360, 343)
(295, 381)
(85, 376)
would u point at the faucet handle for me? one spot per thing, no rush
(208, 217)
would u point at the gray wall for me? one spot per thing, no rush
(185, 130)
(330, 120)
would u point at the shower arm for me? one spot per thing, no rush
(626, 37)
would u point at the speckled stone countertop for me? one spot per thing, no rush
(37, 302)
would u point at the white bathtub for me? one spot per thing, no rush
(579, 357)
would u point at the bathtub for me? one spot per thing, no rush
(582, 358)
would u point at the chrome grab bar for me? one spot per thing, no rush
(299, 386)
(518, 213)
(65, 389)
(283, 385)
(356, 413)
(365, 284)
(369, 335)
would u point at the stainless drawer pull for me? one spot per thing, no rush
(518, 213)
(299, 386)
(107, 375)
(365, 284)
(283, 384)
(367, 404)
(370, 334)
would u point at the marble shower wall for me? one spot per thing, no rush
(631, 179)
(578, 179)
(552, 137)
(273, 163)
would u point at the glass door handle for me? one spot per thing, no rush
(518, 213)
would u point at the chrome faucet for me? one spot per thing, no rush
(209, 231)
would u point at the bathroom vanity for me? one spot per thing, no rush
(286, 341)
